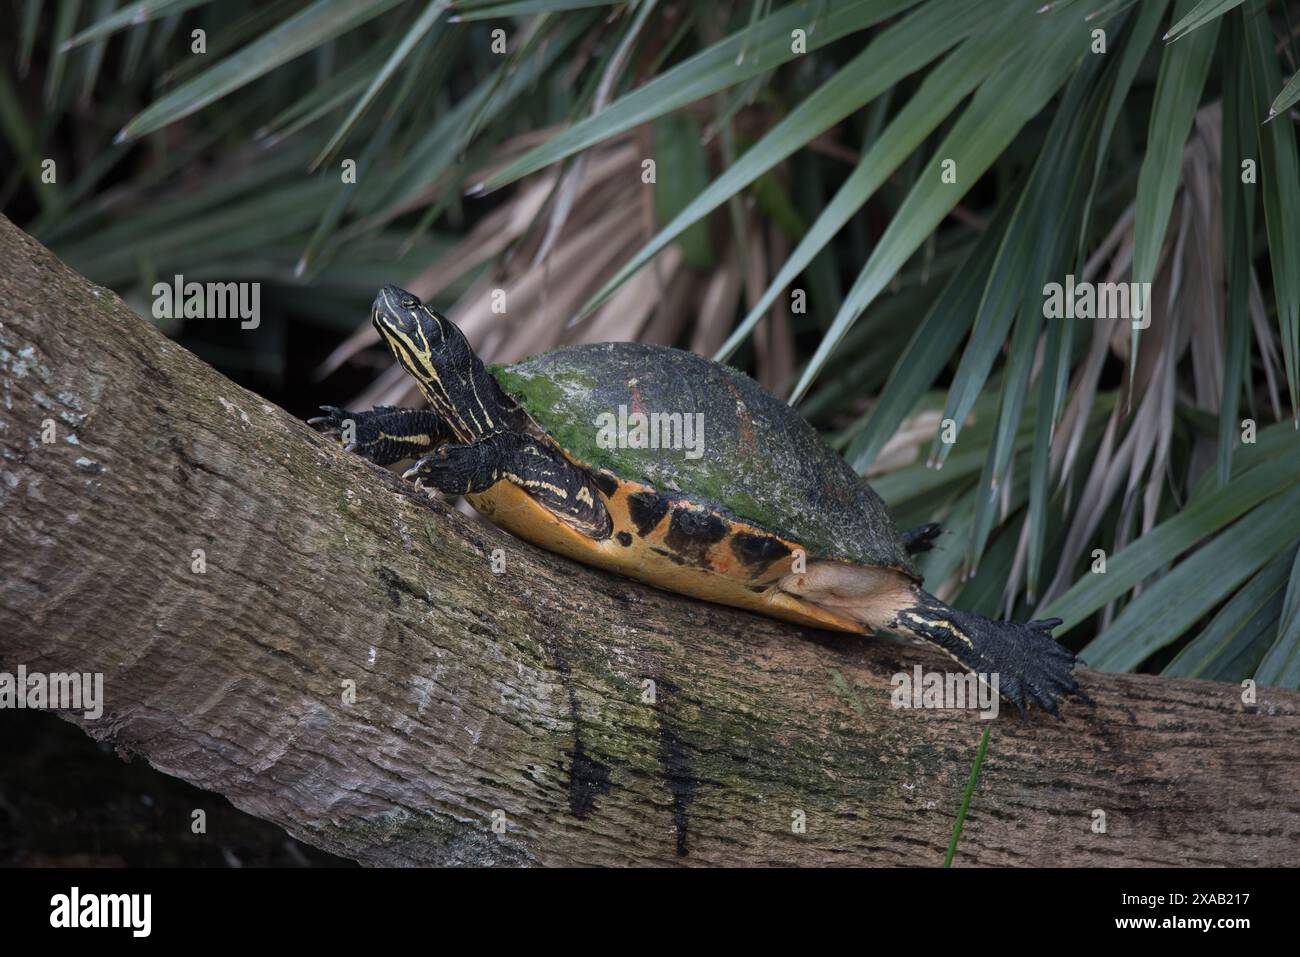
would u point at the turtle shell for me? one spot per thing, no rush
(758, 459)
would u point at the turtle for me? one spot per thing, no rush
(715, 488)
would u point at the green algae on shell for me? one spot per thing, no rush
(759, 460)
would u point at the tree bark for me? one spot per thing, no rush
(518, 697)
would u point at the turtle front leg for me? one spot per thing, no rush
(541, 471)
(385, 434)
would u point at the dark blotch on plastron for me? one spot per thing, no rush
(692, 533)
(647, 510)
(605, 482)
(757, 551)
(624, 538)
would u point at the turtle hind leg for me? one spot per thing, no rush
(383, 435)
(552, 480)
(1031, 666)
(863, 594)
(921, 538)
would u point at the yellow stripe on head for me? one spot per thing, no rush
(436, 354)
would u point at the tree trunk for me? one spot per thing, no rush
(518, 698)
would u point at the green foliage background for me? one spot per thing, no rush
(799, 148)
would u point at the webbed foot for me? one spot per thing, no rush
(1031, 666)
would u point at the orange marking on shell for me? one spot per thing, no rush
(724, 581)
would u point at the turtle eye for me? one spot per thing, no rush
(410, 302)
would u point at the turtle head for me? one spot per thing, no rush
(410, 328)
(426, 344)
(435, 353)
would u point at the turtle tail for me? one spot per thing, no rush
(1030, 665)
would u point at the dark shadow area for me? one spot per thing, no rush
(68, 801)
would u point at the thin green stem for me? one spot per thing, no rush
(965, 800)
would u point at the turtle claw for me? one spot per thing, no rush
(456, 469)
(447, 469)
(423, 470)
(332, 424)
(333, 419)
(1043, 673)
